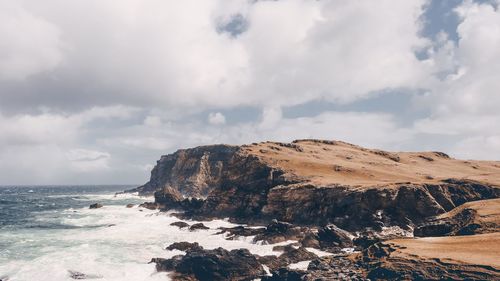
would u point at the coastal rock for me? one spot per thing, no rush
(278, 231)
(150, 205)
(217, 264)
(95, 206)
(470, 218)
(130, 205)
(184, 246)
(314, 182)
(444, 259)
(332, 236)
(290, 255)
(197, 226)
(180, 224)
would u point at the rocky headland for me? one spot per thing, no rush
(364, 206)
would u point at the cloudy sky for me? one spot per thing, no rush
(94, 91)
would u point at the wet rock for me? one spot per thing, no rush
(150, 205)
(290, 255)
(180, 224)
(166, 264)
(184, 246)
(95, 206)
(130, 205)
(197, 226)
(278, 231)
(237, 231)
(217, 264)
(169, 198)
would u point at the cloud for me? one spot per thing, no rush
(84, 160)
(29, 44)
(173, 53)
(216, 118)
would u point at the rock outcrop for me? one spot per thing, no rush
(470, 218)
(472, 257)
(313, 182)
(212, 265)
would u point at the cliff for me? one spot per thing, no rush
(320, 182)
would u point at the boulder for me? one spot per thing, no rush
(130, 205)
(96, 206)
(180, 224)
(333, 236)
(184, 246)
(197, 226)
(214, 265)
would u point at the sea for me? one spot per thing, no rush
(49, 233)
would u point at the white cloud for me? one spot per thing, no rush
(170, 54)
(84, 160)
(28, 44)
(216, 118)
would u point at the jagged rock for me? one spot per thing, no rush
(184, 246)
(325, 268)
(278, 231)
(290, 255)
(96, 206)
(333, 236)
(197, 226)
(285, 274)
(130, 205)
(180, 224)
(150, 205)
(234, 232)
(470, 218)
(166, 264)
(217, 264)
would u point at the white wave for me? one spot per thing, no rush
(114, 242)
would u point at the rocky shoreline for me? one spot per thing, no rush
(326, 196)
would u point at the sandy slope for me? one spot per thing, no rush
(481, 249)
(335, 162)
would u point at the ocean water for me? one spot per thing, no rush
(47, 232)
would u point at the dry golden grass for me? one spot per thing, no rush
(330, 163)
(487, 211)
(480, 249)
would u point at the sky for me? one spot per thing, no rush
(95, 91)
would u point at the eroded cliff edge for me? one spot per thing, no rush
(315, 182)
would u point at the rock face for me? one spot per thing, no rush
(444, 258)
(470, 218)
(318, 182)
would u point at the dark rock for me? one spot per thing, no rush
(169, 198)
(166, 264)
(217, 264)
(234, 232)
(130, 205)
(197, 226)
(333, 236)
(285, 274)
(96, 206)
(290, 255)
(184, 246)
(278, 231)
(150, 205)
(180, 224)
